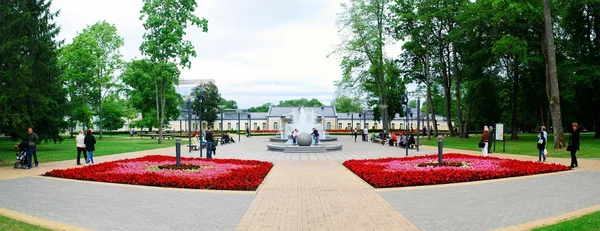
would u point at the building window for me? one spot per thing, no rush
(357, 125)
(339, 125)
(275, 125)
(220, 126)
(255, 124)
(393, 125)
(374, 125)
(349, 126)
(328, 125)
(228, 126)
(264, 126)
(237, 126)
(245, 125)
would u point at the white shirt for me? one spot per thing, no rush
(79, 140)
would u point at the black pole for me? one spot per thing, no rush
(250, 125)
(222, 125)
(352, 123)
(200, 124)
(366, 137)
(504, 143)
(238, 125)
(178, 150)
(189, 114)
(440, 147)
(407, 137)
(418, 121)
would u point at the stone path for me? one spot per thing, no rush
(302, 192)
(319, 195)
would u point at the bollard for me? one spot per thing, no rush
(440, 146)
(178, 150)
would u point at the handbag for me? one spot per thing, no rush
(481, 144)
(569, 148)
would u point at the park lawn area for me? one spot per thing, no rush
(590, 222)
(11, 224)
(66, 150)
(525, 145)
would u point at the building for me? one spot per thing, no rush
(325, 115)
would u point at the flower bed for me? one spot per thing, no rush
(424, 170)
(226, 174)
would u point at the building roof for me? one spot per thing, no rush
(325, 111)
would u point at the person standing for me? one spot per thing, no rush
(366, 134)
(315, 133)
(492, 136)
(294, 135)
(209, 141)
(32, 139)
(80, 147)
(485, 138)
(355, 133)
(574, 144)
(546, 138)
(90, 146)
(541, 146)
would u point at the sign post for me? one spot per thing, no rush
(499, 136)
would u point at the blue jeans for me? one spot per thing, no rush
(542, 155)
(90, 157)
(316, 139)
(209, 149)
(30, 152)
(293, 140)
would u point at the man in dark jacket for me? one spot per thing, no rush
(33, 140)
(209, 142)
(492, 139)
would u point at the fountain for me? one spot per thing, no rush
(304, 121)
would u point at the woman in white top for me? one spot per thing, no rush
(80, 147)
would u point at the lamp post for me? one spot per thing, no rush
(249, 125)
(239, 111)
(200, 102)
(221, 106)
(383, 107)
(189, 121)
(419, 95)
(404, 101)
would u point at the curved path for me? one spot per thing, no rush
(302, 192)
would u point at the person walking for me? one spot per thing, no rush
(366, 134)
(541, 146)
(90, 146)
(546, 138)
(573, 146)
(209, 142)
(32, 140)
(492, 139)
(80, 147)
(355, 133)
(485, 138)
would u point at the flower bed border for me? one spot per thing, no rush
(245, 178)
(377, 176)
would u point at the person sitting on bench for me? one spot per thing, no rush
(402, 142)
(195, 143)
(411, 141)
(393, 139)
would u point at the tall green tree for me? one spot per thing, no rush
(211, 98)
(229, 104)
(90, 64)
(31, 88)
(302, 102)
(114, 112)
(166, 22)
(138, 76)
(262, 108)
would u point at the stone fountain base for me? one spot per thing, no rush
(290, 148)
(278, 139)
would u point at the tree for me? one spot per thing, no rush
(114, 111)
(31, 90)
(552, 77)
(262, 108)
(138, 76)
(90, 63)
(302, 102)
(229, 104)
(346, 104)
(166, 22)
(212, 97)
(412, 104)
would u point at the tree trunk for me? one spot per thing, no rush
(552, 79)
(543, 118)
(597, 128)
(100, 115)
(461, 129)
(162, 111)
(468, 122)
(447, 85)
(157, 101)
(515, 100)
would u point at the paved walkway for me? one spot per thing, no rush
(302, 192)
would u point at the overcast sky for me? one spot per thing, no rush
(257, 51)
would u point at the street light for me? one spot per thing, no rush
(239, 111)
(188, 99)
(221, 106)
(404, 101)
(250, 126)
(419, 95)
(200, 102)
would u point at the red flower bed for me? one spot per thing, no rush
(226, 174)
(421, 170)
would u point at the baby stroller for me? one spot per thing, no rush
(21, 161)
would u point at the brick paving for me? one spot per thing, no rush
(304, 191)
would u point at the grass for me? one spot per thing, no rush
(585, 223)
(10, 224)
(525, 145)
(66, 150)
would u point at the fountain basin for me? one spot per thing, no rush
(278, 139)
(290, 148)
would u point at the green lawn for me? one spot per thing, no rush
(49, 151)
(590, 222)
(10, 224)
(525, 145)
